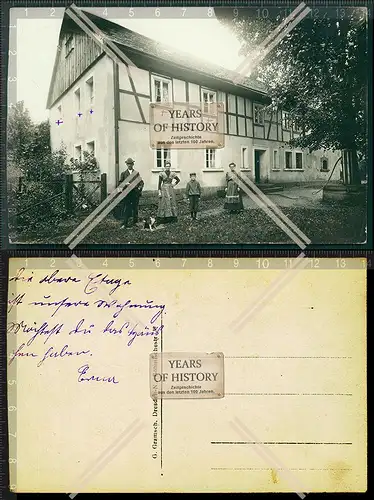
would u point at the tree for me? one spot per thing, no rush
(29, 147)
(318, 72)
(39, 200)
(20, 129)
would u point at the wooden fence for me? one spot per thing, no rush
(72, 188)
(71, 192)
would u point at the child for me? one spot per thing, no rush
(193, 192)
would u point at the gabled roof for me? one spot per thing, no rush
(146, 49)
(133, 40)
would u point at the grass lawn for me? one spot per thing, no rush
(336, 224)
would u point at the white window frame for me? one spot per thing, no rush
(302, 161)
(78, 145)
(173, 160)
(206, 165)
(89, 142)
(275, 166)
(205, 105)
(286, 120)
(285, 161)
(161, 79)
(244, 165)
(293, 159)
(218, 166)
(77, 91)
(90, 99)
(163, 160)
(261, 106)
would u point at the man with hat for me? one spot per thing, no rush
(131, 200)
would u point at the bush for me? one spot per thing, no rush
(40, 205)
(84, 167)
(40, 201)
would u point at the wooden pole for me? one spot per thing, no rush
(69, 193)
(103, 187)
(351, 175)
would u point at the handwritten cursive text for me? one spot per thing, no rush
(94, 280)
(66, 302)
(84, 369)
(21, 353)
(15, 301)
(43, 329)
(62, 353)
(53, 278)
(115, 304)
(19, 276)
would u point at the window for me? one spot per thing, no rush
(161, 89)
(91, 147)
(90, 91)
(297, 125)
(288, 157)
(210, 158)
(324, 164)
(69, 45)
(162, 156)
(285, 120)
(78, 152)
(207, 98)
(77, 98)
(268, 113)
(299, 160)
(244, 158)
(275, 160)
(258, 111)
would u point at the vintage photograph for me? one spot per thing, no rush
(188, 125)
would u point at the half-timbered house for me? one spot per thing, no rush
(101, 105)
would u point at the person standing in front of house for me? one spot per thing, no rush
(131, 200)
(193, 193)
(167, 205)
(233, 199)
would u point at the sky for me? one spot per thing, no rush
(37, 40)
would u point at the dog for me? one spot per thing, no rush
(149, 223)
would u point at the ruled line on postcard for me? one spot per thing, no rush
(285, 442)
(288, 394)
(280, 468)
(288, 357)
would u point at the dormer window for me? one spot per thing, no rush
(69, 45)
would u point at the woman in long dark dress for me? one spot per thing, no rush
(167, 206)
(233, 199)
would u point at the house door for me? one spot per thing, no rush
(257, 165)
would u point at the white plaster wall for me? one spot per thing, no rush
(98, 126)
(139, 76)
